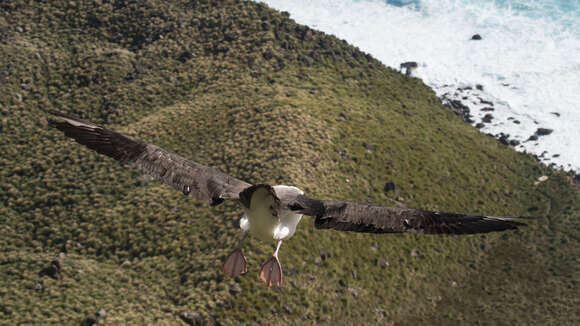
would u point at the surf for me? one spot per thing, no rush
(527, 63)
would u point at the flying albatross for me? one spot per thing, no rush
(271, 212)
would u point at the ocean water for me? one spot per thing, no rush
(528, 61)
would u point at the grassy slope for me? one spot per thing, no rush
(243, 88)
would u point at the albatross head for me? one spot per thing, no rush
(268, 217)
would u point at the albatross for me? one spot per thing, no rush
(271, 213)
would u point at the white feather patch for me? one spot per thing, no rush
(79, 124)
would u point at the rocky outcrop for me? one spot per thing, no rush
(409, 66)
(458, 108)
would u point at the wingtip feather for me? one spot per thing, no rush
(70, 119)
(515, 220)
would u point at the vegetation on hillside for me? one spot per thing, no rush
(243, 88)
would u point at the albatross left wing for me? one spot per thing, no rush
(347, 216)
(202, 182)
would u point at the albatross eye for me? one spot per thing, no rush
(273, 211)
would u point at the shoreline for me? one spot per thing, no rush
(454, 99)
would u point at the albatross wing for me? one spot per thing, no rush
(347, 216)
(202, 182)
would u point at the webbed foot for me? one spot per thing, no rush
(235, 264)
(271, 272)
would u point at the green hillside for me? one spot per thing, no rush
(243, 88)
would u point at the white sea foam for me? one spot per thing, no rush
(528, 61)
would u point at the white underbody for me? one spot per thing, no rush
(260, 221)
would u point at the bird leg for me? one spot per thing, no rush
(271, 271)
(235, 263)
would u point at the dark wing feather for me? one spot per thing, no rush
(346, 216)
(202, 182)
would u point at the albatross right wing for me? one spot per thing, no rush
(348, 216)
(202, 182)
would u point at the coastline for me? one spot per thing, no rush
(522, 62)
(473, 107)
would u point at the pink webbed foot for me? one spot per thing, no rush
(271, 272)
(235, 264)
